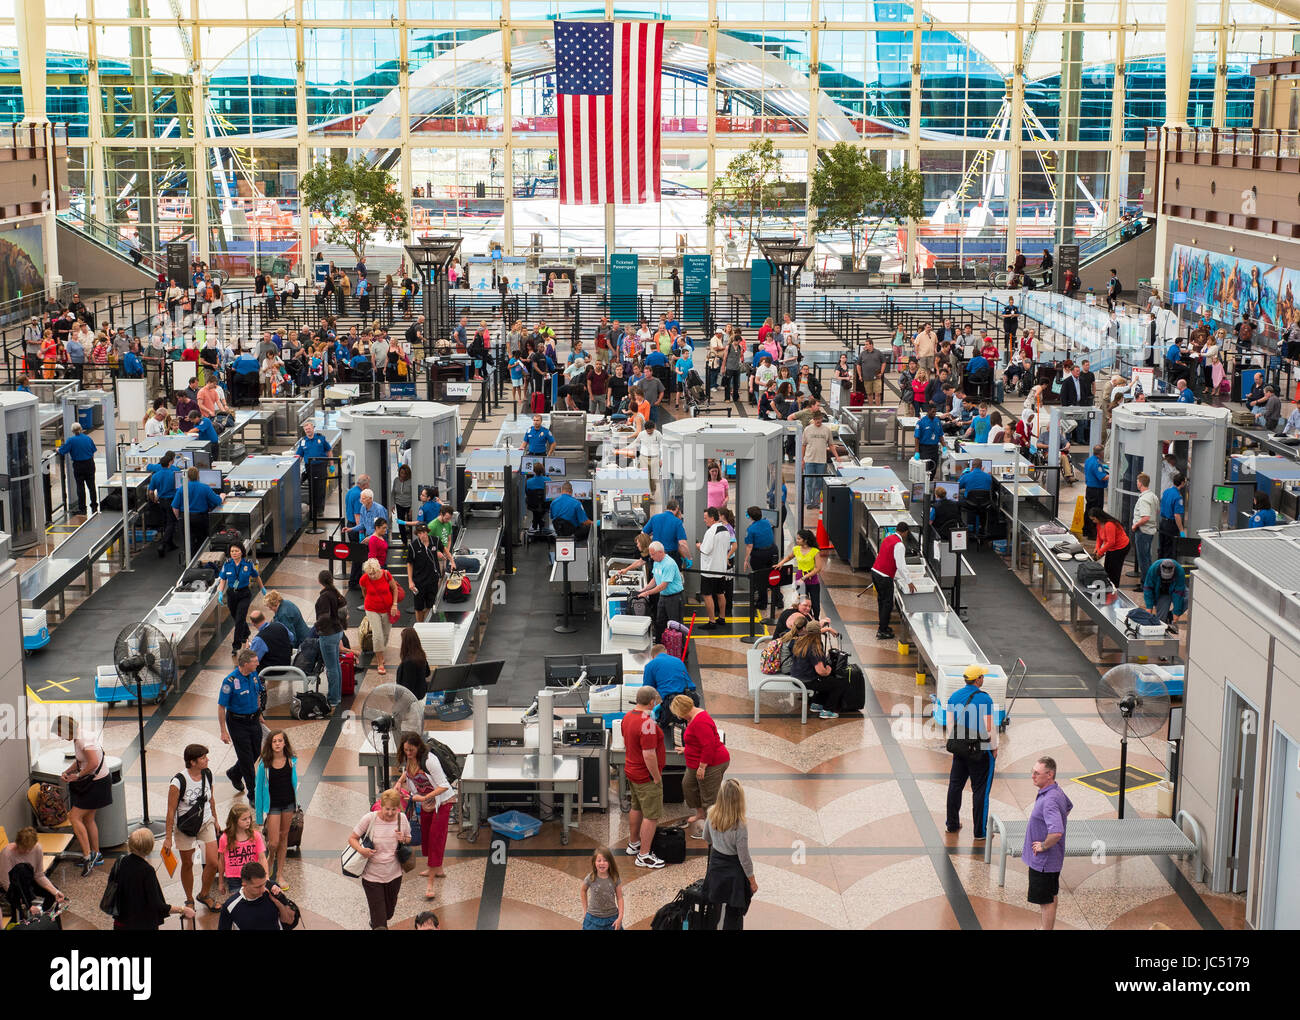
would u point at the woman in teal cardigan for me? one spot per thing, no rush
(289, 615)
(276, 797)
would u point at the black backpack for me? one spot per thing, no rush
(307, 658)
(1091, 573)
(688, 910)
(446, 758)
(198, 807)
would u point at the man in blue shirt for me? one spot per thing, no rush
(1173, 362)
(535, 495)
(538, 440)
(667, 529)
(351, 511)
(239, 714)
(665, 582)
(1171, 517)
(202, 428)
(1096, 477)
(162, 490)
(929, 434)
(202, 501)
(1164, 589)
(567, 515)
(246, 386)
(668, 675)
(980, 425)
(370, 512)
(132, 366)
(81, 448)
(313, 449)
(1185, 395)
(974, 480)
(970, 722)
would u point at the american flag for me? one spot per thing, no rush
(608, 76)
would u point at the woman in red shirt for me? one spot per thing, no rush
(381, 593)
(706, 761)
(377, 544)
(1112, 543)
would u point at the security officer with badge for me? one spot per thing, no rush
(972, 744)
(314, 450)
(162, 490)
(538, 440)
(239, 714)
(567, 515)
(81, 448)
(202, 500)
(929, 436)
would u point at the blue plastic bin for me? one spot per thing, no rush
(515, 825)
(86, 417)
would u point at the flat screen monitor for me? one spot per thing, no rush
(583, 488)
(1224, 493)
(466, 675)
(555, 467)
(553, 489)
(183, 460)
(566, 669)
(528, 461)
(210, 477)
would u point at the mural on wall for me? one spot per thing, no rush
(1224, 287)
(22, 263)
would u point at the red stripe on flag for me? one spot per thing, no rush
(638, 149)
(611, 189)
(561, 123)
(593, 135)
(625, 141)
(575, 153)
(657, 39)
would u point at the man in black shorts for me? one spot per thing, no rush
(716, 548)
(254, 907)
(422, 571)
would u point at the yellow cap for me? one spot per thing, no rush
(975, 672)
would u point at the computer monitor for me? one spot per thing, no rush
(1224, 493)
(562, 670)
(466, 675)
(183, 459)
(210, 477)
(553, 489)
(202, 458)
(528, 461)
(555, 467)
(583, 489)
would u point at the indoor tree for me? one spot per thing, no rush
(356, 201)
(753, 180)
(850, 192)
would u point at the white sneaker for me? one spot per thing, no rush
(634, 849)
(648, 861)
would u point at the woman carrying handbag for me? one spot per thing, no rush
(377, 839)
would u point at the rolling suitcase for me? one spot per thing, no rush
(855, 699)
(348, 672)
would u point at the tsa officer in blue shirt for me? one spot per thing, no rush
(313, 450)
(970, 712)
(667, 529)
(235, 588)
(239, 713)
(81, 448)
(538, 440)
(929, 435)
(162, 490)
(535, 494)
(429, 509)
(1264, 516)
(975, 479)
(132, 366)
(567, 515)
(202, 428)
(1096, 477)
(760, 554)
(1185, 395)
(245, 368)
(351, 514)
(1172, 521)
(202, 501)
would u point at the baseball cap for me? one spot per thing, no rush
(975, 672)
(1166, 569)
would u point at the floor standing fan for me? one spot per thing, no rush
(387, 712)
(1129, 711)
(145, 660)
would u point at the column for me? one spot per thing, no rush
(914, 137)
(1118, 185)
(814, 102)
(1219, 117)
(404, 131)
(30, 26)
(711, 109)
(508, 151)
(1015, 133)
(1180, 36)
(304, 150)
(202, 164)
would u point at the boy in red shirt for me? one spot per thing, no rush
(645, 776)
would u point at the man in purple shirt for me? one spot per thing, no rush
(1044, 850)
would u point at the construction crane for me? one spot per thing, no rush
(1039, 8)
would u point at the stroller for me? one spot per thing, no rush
(695, 392)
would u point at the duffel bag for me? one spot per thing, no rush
(1090, 573)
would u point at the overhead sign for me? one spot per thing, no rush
(564, 550)
(697, 280)
(178, 263)
(622, 285)
(1178, 297)
(1067, 259)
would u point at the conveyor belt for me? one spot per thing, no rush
(51, 576)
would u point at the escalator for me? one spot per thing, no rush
(101, 254)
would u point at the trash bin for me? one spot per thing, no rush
(112, 819)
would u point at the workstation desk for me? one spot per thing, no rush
(1108, 615)
(497, 772)
(461, 743)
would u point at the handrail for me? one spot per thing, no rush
(1231, 142)
(112, 237)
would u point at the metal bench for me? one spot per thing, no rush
(771, 683)
(1112, 837)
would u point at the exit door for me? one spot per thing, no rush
(1242, 747)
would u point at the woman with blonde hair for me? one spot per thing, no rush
(22, 875)
(807, 662)
(140, 902)
(381, 596)
(707, 759)
(384, 830)
(729, 881)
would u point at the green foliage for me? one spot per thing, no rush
(753, 180)
(852, 193)
(357, 201)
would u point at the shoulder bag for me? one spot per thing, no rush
(351, 860)
(82, 786)
(964, 747)
(108, 902)
(191, 822)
